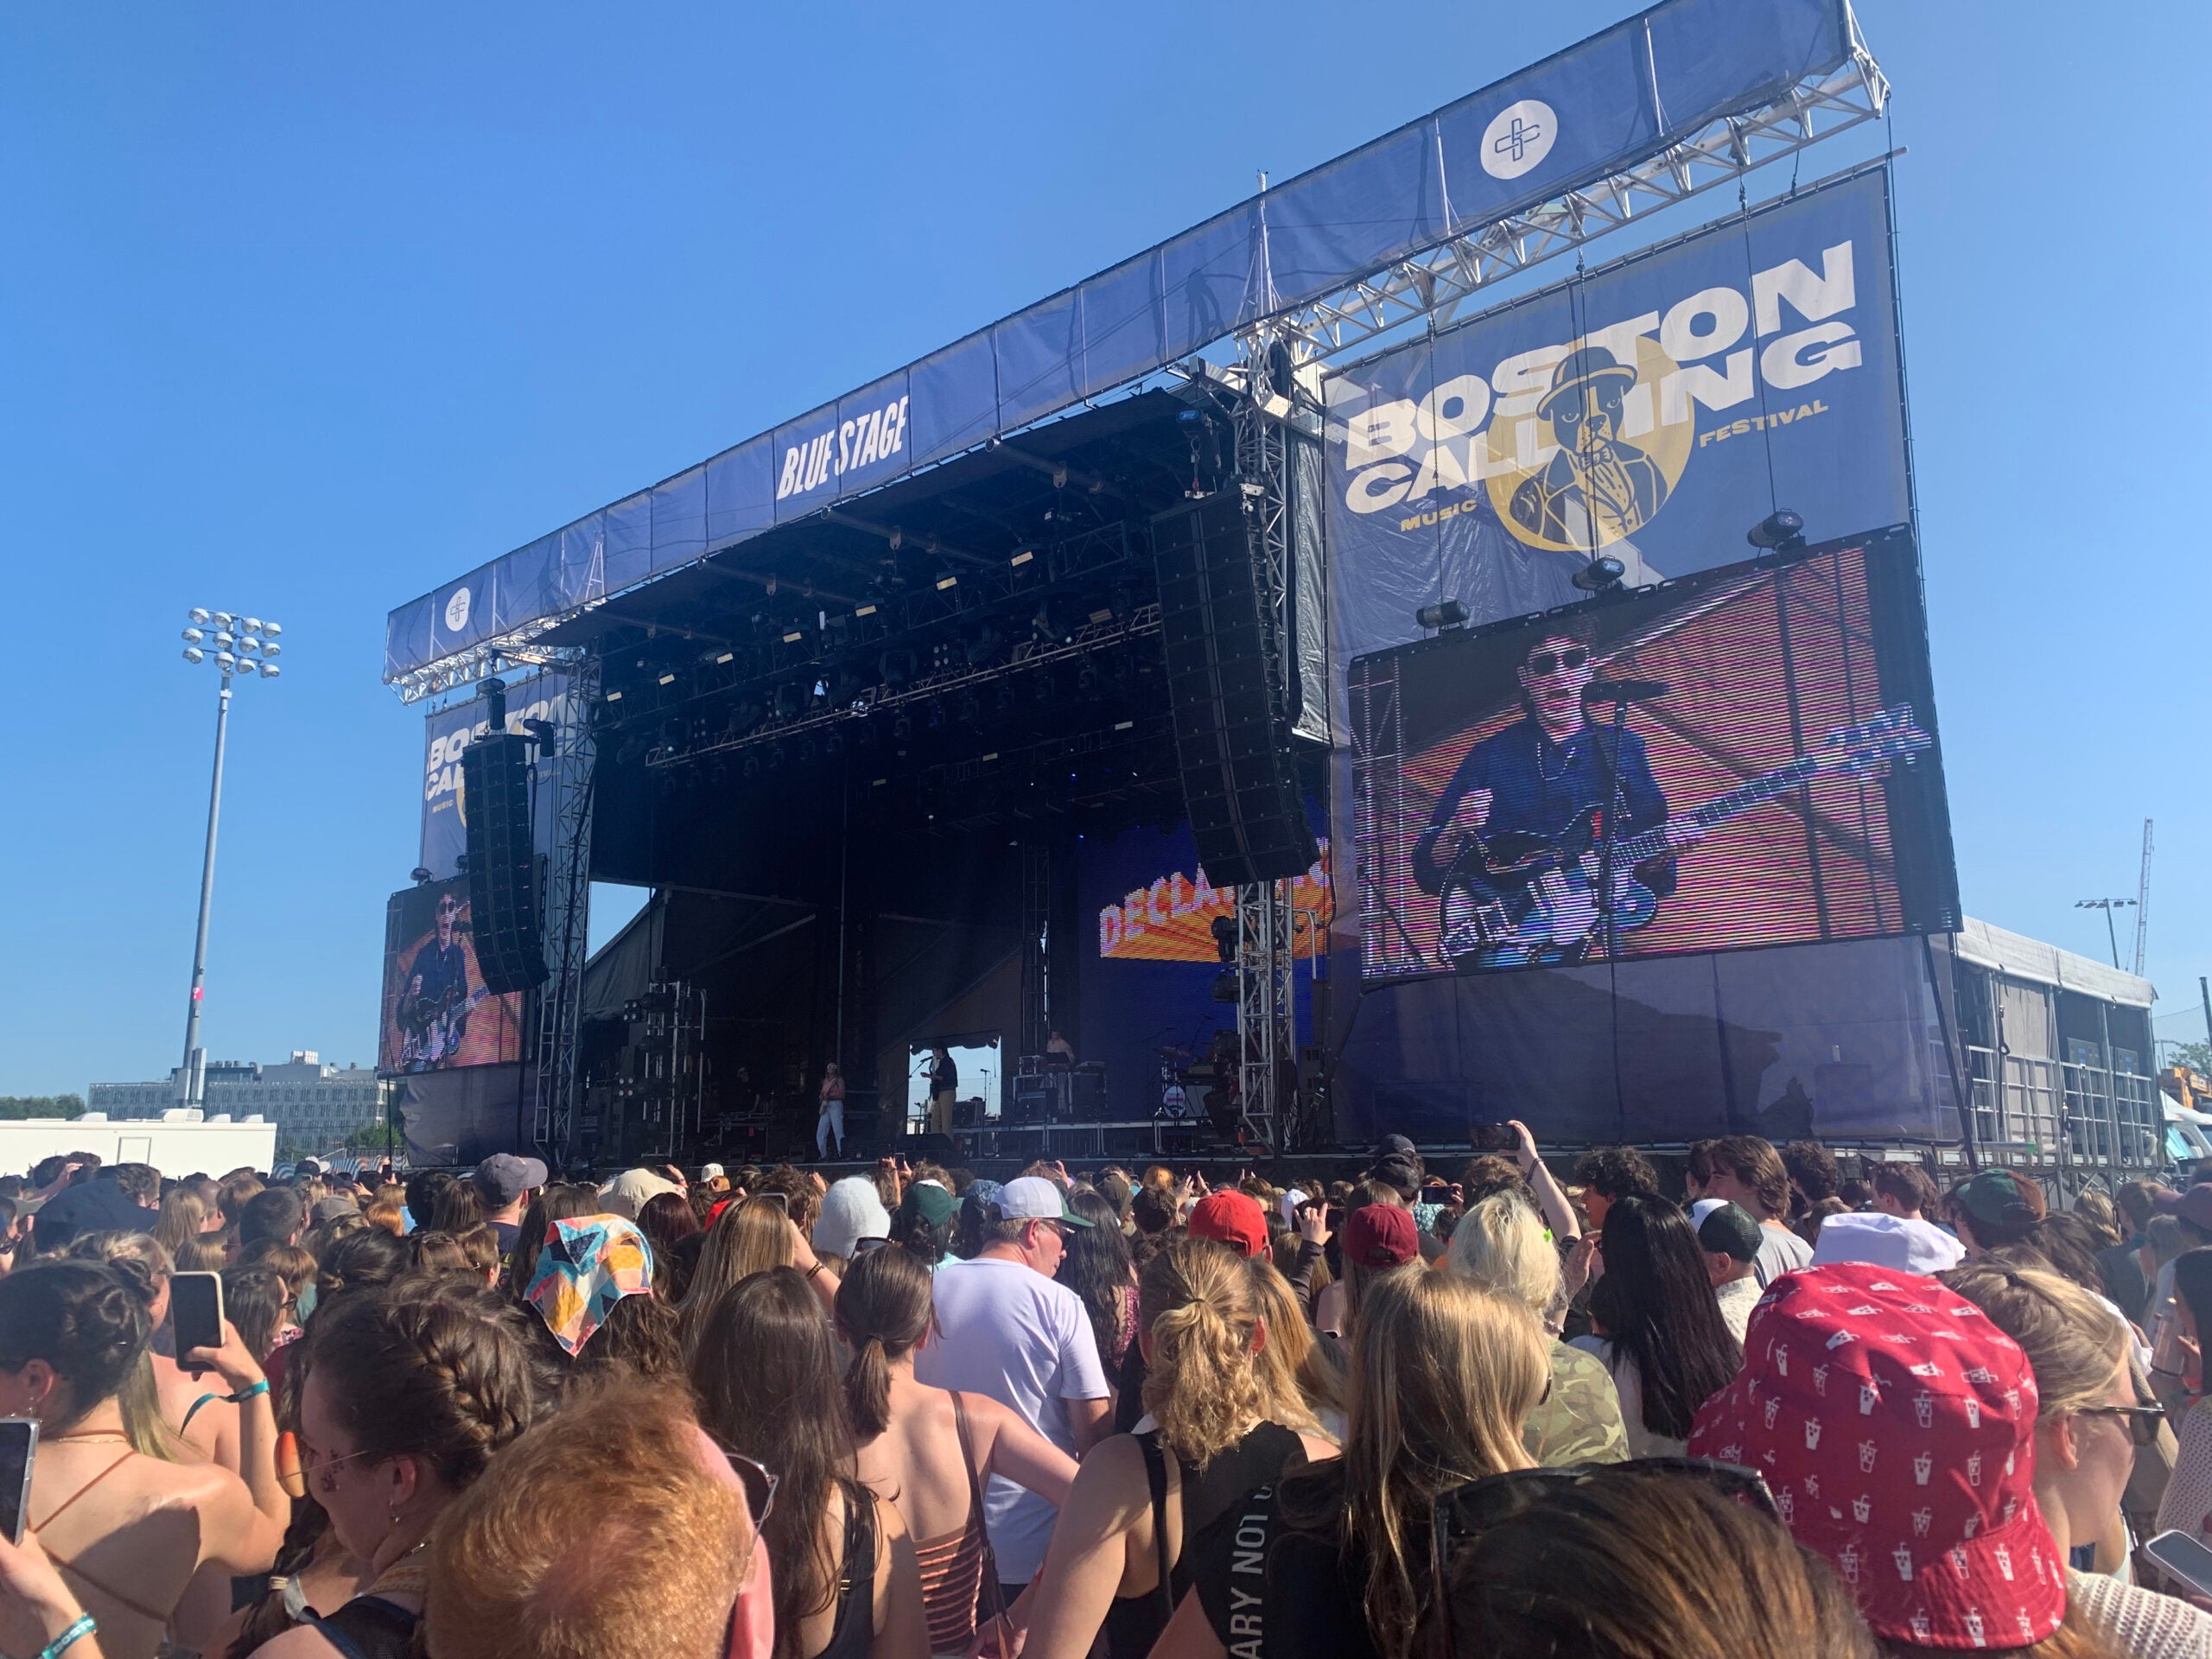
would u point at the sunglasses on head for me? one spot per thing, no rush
(1465, 1512)
(864, 1246)
(1550, 662)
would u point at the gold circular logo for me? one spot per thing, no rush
(1596, 459)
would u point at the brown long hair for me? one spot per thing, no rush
(1443, 1374)
(1624, 1566)
(884, 1308)
(1294, 1380)
(768, 1388)
(747, 1237)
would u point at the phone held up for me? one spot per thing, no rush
(196, 1310)
(1492, 1137)
(18, 1447)
(2185, 1557)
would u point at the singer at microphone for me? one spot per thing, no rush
(1534, 777)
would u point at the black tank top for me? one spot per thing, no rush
(855, 1633)
(369, 1627)
(1135, 1622)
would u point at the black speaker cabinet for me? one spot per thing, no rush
(502, 873)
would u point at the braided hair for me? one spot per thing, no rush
(89, 1320)
(430, 1366)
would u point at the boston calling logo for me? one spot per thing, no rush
(1518, 139)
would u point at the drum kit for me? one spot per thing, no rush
(1195, 1088)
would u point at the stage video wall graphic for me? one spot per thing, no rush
(1765, 736)
(1653, 410)
(1147, 979)
(437, 1015)
(445, 733)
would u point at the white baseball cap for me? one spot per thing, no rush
(1032, 1198)
(711, 1172)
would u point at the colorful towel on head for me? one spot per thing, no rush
(588, 1265)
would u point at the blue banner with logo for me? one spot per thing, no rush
(1653, 410)
(450, 730)
(1605, 104)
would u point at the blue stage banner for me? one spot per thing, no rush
(1653, 410)
(1602, 105)
(447, 732)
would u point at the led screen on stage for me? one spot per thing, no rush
(1777, 780)
(437, 1014)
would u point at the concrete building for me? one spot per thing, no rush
(314, 1104)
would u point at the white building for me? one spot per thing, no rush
(314, 1104)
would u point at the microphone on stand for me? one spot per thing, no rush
(1625, 690)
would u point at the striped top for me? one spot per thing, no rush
(952, 1575)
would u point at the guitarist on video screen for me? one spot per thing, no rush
(437, 983)
(1535, 777)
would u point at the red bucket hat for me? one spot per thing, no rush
(1896, 1425)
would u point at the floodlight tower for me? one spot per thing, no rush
(242, 645)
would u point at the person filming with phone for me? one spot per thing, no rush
(126, 1530)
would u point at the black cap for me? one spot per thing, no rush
(1731, 1230)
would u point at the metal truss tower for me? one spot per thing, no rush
(567, 763)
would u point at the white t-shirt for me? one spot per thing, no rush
(1780, 1251)
(1007, 1331)
(1736, 1298)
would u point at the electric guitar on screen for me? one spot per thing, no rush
(1520, 900)
(434, 1041)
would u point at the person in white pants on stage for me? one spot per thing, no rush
(832, 1121)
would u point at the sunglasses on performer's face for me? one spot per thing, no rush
(446, 907)
(1550, 662)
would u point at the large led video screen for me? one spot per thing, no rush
(1745, 757)
(437, 1015)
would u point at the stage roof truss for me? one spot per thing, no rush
(1427, 289)
(1433, 286)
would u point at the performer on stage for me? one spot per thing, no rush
(831, 1121)
(1058, 1051)
(944, 1084)
(437, 991)
(1533, 779)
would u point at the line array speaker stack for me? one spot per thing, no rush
(502, 872)
(1225, 693)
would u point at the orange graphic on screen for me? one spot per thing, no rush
(1171, 919)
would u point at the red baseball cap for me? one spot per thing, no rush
(1232, 1219)
(1895, 1425)
(1380, 1235)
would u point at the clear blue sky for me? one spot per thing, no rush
(303, 310)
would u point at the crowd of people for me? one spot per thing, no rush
(1749, 1405)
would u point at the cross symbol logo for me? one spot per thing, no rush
(1518, 139)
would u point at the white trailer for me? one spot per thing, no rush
(178, 1143)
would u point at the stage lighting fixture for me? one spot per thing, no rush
(897, 667)
(1445, 613)
(775, 756)
(633, 746)
(419, 874)
(460, 862)
(1224, 986)
(984, 646)
(1780, 531)
(1045, 688)
(668, 679)
(1005, 699)
(193, 654)
(805, 751)
(833, 744)
(751, 766)
(864, 610)
(947, 579)
(1224, 937)
(1086, 679)
(970, 710)
(793, 636)
(198, 613)
(936, 716)
(1022, 557)
(1601, 575)
(725, 659)
(902, 726)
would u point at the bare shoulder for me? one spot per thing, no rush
(1319, 1448)
(191, 1484)
(301, 1642)
(1115, 1464)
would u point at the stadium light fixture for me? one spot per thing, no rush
(1445, 613)
(1780, 531)
(1601, 575)
(240, 654)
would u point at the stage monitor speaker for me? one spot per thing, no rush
(502, 872)
(1087, 1089)
(1226, 695)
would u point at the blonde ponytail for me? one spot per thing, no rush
(1195, 1302)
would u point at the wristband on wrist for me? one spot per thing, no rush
(69, 1638)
